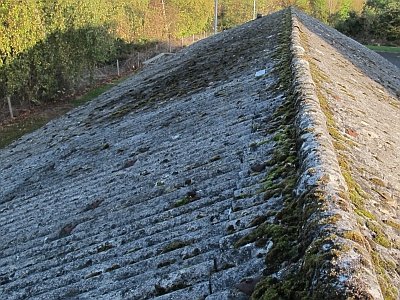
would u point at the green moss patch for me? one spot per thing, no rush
(394, 224)
(377, 181)
(190, 197)
(294, 250)
(382, 268)
(175, 245)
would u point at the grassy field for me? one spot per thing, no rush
(34, 119)
(384, 49)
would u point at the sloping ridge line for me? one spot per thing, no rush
(352, 272)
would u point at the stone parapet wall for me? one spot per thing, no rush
(351, 273)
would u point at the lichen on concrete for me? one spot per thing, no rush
(247, 165)
(330, 256)
(341, 96)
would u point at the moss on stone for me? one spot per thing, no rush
(112, 268)
(379, 236)
(297, 284)
(190, 197)
(175, 245)
(364, 213)
(356, 193)
(181, 202)
(382, 267)
(355, 236)
(393, 224)
(385, 195)
(377, 181)
(243, 196)
(289, 239)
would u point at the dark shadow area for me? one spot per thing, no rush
(367, 61)
(394, 58)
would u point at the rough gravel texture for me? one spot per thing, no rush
(143, 193)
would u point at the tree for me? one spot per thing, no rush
(155, 23)
(190, 16)
(379, 22)
(20, 27)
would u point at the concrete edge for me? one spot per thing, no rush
(352, 271)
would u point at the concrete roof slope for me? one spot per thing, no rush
(359, 94)
(142, 193)
(262, 161)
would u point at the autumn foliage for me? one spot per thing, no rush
(47, 47)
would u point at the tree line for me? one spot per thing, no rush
(48, 46)
(377, 23)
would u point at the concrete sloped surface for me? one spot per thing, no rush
(261, 162)
(123, 199)
(359, 92)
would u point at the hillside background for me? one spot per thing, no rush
(50, 49)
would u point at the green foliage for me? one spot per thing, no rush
(53, 66)
(319, 9)
(48, 47)
(20, 28)
(234, 12)
(379, 22)
(192, 16)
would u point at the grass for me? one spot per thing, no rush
(10, 133)
(93, 93)
(29, 122)
(384, 48)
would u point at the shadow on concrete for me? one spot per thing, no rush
(394, 58)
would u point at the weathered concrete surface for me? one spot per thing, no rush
(360, 91)
(143, 193)
(114, 201)
(320, 168)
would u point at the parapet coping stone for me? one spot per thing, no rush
(319, 166)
